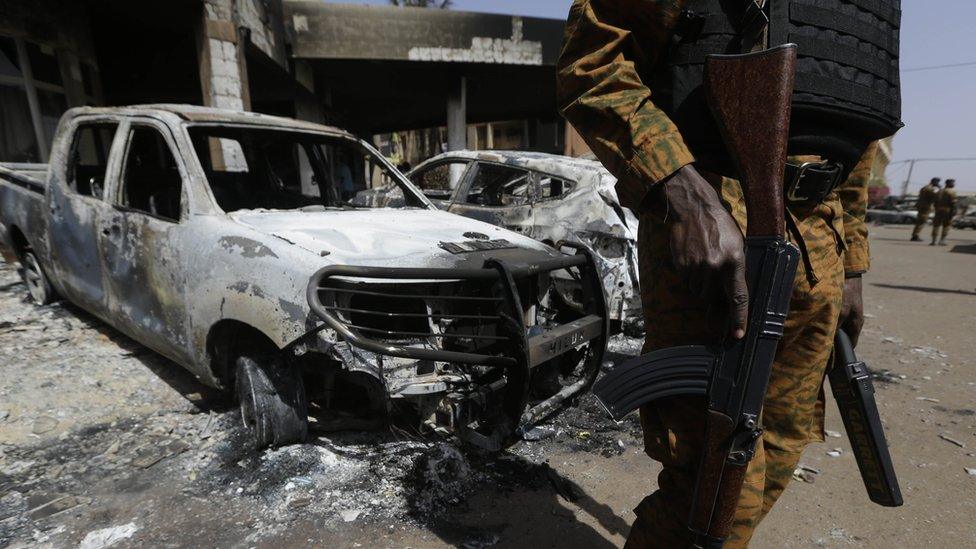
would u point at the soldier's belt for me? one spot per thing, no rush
(811, 181)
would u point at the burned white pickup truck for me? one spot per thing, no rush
(246, 249)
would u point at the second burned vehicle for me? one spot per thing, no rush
(551, 198)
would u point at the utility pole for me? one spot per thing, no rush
(904, 186)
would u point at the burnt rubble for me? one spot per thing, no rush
(112, 425)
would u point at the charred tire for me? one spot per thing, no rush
(272, 399)
(38, 285)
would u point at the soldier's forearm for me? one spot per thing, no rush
(601, 93)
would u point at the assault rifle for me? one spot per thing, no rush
(750, 98)
(853, 390)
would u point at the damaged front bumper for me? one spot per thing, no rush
(467, 344)
(616, 263)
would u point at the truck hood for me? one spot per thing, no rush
(381, 237)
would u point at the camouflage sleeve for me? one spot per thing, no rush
(854, 200)
(601, 93)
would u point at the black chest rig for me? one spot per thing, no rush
(847, 83)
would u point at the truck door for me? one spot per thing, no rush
(497, 194)
(142, 241)
(76, 202)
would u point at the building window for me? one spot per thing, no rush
(18, 143)
(44, 64)
(32, 99)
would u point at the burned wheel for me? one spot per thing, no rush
(272, 399)
(38, 285)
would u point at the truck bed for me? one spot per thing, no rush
(32, 177)
(22, 189)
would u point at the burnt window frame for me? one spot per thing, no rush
(573, 185)
(207, 191)
(34, 88)
(118, 193)
(68, 176)
(462, 197)
(469, 163)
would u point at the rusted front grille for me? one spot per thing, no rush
(451, 315)
(473, 316)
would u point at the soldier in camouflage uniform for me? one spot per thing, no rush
(926, 198)
(601, 93)
(945, 210)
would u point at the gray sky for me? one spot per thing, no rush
(937, 105)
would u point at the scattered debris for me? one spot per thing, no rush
(836, 452)
(538, 432)
(952, 441)
(52, 505)
(927, 399)
(971, 471)
(350, 515)
(299, 502)
(835, 535)
(805, 473)
(929, 352)
(107, 537)
(887, 376)
(44, 424)
(832, 434)
(152, 454)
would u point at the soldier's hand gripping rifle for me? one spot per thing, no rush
(750, 99)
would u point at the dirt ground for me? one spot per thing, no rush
(103, 443)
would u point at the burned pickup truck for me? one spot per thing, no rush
(244, 248)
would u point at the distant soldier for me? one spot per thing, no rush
(926, 198)
(945, 210)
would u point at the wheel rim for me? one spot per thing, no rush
(34, 278)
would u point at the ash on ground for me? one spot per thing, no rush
(104, 440)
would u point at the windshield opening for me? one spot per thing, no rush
(256, 168)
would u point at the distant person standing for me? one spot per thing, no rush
(945, 210)
(926, 198)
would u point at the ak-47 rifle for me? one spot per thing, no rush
(750, 98)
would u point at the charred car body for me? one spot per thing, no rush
(553, 199)
(242, 247)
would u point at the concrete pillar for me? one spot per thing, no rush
(223, 77)
(457, 119)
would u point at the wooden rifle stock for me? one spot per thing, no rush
(750, 98)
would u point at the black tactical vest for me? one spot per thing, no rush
(847, 84)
